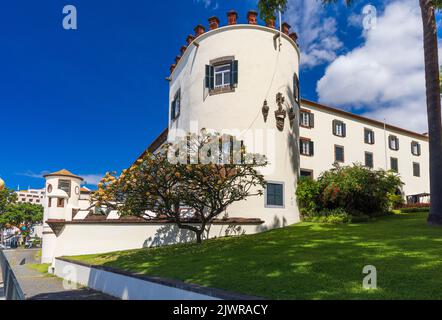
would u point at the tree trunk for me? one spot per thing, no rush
(433, 109)
(199, 237)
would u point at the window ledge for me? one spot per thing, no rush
(220, 90)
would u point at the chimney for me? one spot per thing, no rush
(177, 59)
(172, 67)
(293, 36)
(213, 23)
(199, 30)
(251, 17)
(270, 23)
(286, 28)
(190, 39)
(232, 17)
(182, 50)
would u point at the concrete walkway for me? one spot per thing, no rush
(2, 291)
(38, 286)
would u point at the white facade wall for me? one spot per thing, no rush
(263, 72)
(79, 239)
(355, 148)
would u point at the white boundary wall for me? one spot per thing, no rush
(126, 287)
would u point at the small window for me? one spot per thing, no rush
(60, 202)
(339, 128)
(368, 136)
(306, 147)
(416, 169)
(339, 154)
(275, 195)
(306, 174)
(369, 160)
(49, 202)
(222, 75)
(49, 188)
(393, 143)
(416, 148)
(394, 165)
(65, 185)
(296, 89)
(176, 106)
(306, 119)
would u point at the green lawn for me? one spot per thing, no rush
(305, 261)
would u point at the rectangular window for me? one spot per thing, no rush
(306, 119)
(416, 169)
(393, 143)
(49, 202)
(275, 195)
(222, 74)
(339, 128)
(339, 153)
(369, 160)
(368, 136)
(306, 147)
(176, 106)
(306, 174)
(65, 185)
(416, 148)
(60, 202)
(394, 165)
(296, 89)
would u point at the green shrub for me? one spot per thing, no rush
(336, 216)
(415, 209)
(357, 190)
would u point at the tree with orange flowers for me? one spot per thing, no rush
(189, 183)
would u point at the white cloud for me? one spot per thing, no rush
(317, 32)
(385, 75)
(89, 179)
(209, 3)
(92, 179)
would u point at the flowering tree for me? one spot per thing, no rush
(190, 183)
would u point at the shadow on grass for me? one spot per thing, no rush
(305, 261)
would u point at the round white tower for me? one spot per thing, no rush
(221, 83)
(61, 201)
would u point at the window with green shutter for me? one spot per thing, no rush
(221, 75)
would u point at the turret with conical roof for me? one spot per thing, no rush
(63, 190)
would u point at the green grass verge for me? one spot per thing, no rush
(42, 268)
(305, 261)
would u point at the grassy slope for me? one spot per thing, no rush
(305, 261)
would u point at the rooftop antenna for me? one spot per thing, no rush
(18, 187)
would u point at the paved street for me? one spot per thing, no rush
(38, 286)
(2, 294)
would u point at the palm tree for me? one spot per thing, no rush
(269, 8)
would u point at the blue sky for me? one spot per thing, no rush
(90, 100)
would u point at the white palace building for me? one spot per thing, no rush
(240, 79)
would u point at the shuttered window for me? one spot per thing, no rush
(339, 154)
(393, 143)
(369, 160)
(416, 169)
(368, 136)
(339, 128)
(223, 74)
(306, 147)
(176, 106)
(415, 148)
(306, 119)
(296, 89)
(394, 166)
